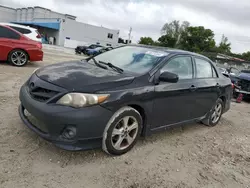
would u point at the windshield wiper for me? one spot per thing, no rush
(118, 69)
(98, 64)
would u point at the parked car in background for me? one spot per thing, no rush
(232, 73)
(82, 49)
(112, 99)
(29, 32)
(95, 51)
(242, 84)
(17, 48)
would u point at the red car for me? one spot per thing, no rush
(17, 48)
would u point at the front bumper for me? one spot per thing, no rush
(241, 91)
(89, 122)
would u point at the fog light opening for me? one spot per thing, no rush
(69, 133)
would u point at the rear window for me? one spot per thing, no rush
(21, 30)
(8, 33)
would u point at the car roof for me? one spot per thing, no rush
(6, 26)
(17, 25)
(169, 50)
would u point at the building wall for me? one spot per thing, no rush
(69, 27)
(7, 14)
(31, 13)
(78, 31)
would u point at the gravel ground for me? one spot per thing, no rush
(190, 156)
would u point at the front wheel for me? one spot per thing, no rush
(122, 131)
(215, 114)
(18, 58)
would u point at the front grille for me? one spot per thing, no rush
(41, 94)
(244, 84)
(35, 122)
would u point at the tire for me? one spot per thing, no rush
(119, 137)
(215, 114)
(18, 58)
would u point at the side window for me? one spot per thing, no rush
(110, 35)
(7, 33)
(203, 69)
(21, 30)
(182, 66)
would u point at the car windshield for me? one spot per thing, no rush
(98, 48)
(133, 58)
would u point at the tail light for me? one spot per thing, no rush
(38, 35)
(233, 86)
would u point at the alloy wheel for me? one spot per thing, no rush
(124, 133)
(217, 113)
(18, 58)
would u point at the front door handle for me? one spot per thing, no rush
(217, 85)
(192, 88)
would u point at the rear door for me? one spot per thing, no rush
(207, 86)
(8, 38)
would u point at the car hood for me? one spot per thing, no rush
(245, 76)
(83, 76)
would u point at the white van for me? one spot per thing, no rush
(29, 32)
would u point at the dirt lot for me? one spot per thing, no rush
(191, 156)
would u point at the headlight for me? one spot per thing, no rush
(78, 100)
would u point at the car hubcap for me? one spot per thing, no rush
(124, 133)
(217, 113)
(18, 58)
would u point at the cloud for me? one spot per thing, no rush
(146, 17)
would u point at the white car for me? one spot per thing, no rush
(29, 32)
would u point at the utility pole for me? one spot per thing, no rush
(129, 35)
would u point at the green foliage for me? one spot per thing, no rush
(224, 46)
(167, 41)
(190, 38)
(146, 41)
(197, 39)
(172, 33)
(246, 56)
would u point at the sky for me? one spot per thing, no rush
(146, 17)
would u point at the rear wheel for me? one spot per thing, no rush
(122, 131)
(214, 114)
(18, 58)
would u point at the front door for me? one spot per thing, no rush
(174, 102)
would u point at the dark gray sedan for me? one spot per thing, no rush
(112, 99)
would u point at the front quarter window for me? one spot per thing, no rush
(133, 58)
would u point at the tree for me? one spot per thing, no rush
(197, 39)
(246, 56)
(146, 41)
(173, 31)
(167, 41)
(224, 46)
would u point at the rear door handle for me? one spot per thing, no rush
(192, 88)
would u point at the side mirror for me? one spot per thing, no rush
(169, 77)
